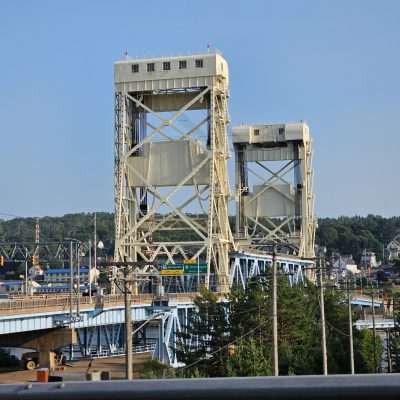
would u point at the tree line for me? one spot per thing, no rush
(346, 235)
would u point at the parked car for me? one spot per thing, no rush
(30, 360)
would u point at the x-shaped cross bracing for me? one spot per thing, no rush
(176, 211)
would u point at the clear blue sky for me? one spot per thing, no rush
(335, 64)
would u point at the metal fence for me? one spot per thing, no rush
(336, 387)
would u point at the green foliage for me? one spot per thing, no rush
(207, 328)
(235, 339)
(153, 369)
(79, 226)
(351, 235)
(364, 359)
(394, 337)
(344, 234)
(249, 359)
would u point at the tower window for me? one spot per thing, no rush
(182, 64)
(150, 67)
(199, 63)
(256, 132)
(135, 67)
(166, 65)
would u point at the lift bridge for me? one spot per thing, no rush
(172, 195)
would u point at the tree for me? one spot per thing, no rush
(235, 339)
(394, 335)
(364, 359)
(202, 346)
(248, 359)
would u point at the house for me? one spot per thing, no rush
(35, 272)
(368, 260)
(394, 248)
(344, 264)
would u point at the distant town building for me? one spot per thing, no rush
(394, 248)
(344, 264)
(18, 287)
(11, 287)
(35, 271)
(368, 260)
(63, 275)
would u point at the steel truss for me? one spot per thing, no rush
(246, 266)
(146, 212)
(296, 230)
(47, 251)
(156, 335)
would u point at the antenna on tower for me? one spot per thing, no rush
(126, 54)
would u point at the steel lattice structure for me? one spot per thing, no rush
(163, 169)
(48, 251)
(274, 187)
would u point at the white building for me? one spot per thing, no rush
(344, 264)
(394, 248)
(35, 271)
(368, 260)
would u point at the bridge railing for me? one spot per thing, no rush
(63, 302)
(344, 387)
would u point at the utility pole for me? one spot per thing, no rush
(389, 354)
(26, 272)
(78, 278)
(71, 300)
(128, 323)
(90, 271)
(275, 313)
(350, 329)
(323, 328)
(95, 245)
(374, 328)
(71, 280)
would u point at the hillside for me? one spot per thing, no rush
(347, 235)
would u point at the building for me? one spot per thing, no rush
(35, 272)
(394, 248)
(344, 264)
(63, 275)
(368, 260)
(12, 287)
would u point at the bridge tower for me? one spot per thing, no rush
(171, 152)
(274, 187)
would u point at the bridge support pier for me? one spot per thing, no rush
(45, 341)
(47, 359)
